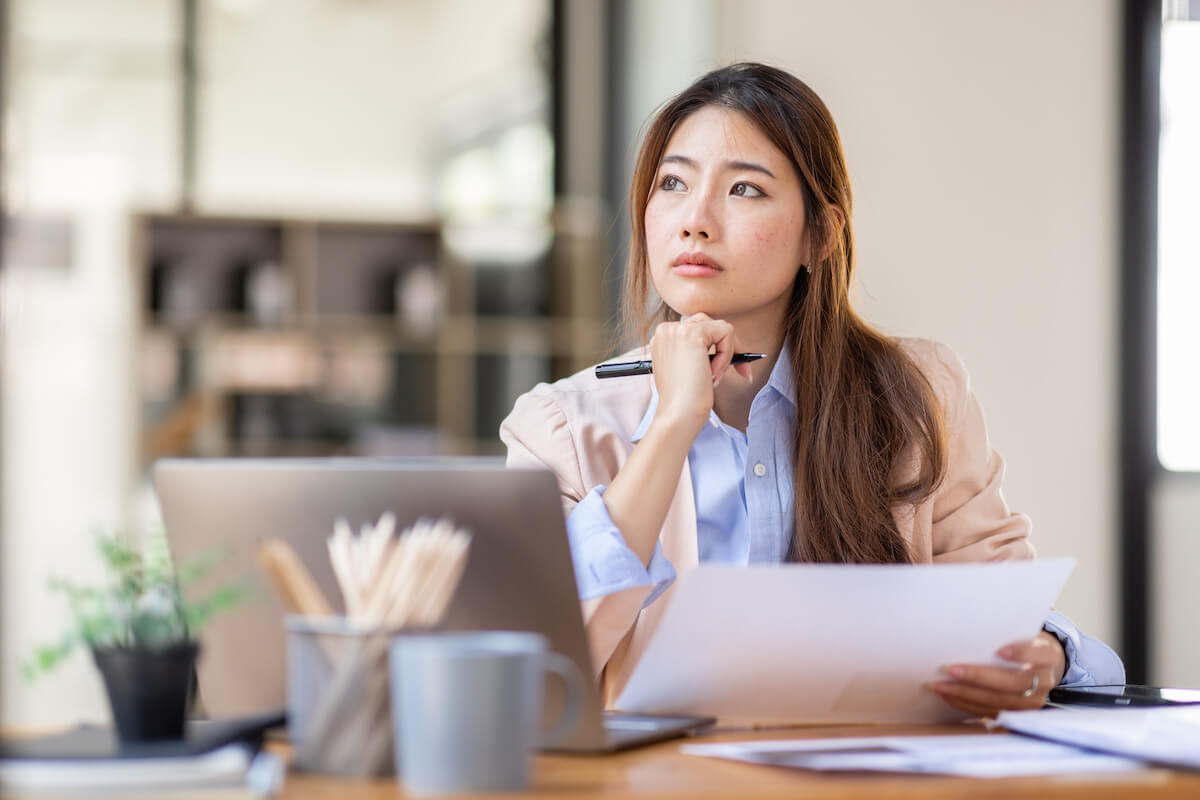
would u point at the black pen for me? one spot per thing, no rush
(623, 368)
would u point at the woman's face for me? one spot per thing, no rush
(725, 221)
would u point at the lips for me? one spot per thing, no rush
(695, 265)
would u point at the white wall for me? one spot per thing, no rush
(349, 109)
(90, 123)
(982, 140)
(70, 438)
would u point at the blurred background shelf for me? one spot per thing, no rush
(274, 337)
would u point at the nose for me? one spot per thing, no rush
(699, 221)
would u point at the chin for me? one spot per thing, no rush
(687, 309)
(694, 303)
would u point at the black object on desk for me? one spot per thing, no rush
(100, 741)
(1120, 695)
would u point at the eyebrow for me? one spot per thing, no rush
(732, 165)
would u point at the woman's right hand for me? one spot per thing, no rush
(639, 496)
(683, 374)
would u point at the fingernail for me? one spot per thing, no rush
(954, 671)
(1006, 652)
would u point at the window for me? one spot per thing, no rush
(1179, 240)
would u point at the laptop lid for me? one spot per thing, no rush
(519, 574)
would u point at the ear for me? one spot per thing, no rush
(837, 221)
(838, 215)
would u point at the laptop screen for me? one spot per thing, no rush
(519, 573)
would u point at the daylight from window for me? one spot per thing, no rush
(1179, 249)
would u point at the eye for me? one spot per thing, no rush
(670, 183)
(743, 189)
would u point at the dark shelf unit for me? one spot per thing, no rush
(276, 337)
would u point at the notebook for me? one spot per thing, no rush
(519, 575)
(89, 758)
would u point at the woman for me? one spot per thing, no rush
(841, 445)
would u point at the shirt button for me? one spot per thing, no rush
(760, 470)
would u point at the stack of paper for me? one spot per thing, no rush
(979, 756)
(1167, 735)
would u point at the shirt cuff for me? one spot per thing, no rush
(1090, 662)
(603, 563)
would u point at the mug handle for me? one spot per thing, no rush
(564, 668)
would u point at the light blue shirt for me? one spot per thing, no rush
(742, 483)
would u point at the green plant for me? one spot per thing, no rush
(143, 606)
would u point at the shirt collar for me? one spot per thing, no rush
(781, 376)
(648, 417)
(780, 381)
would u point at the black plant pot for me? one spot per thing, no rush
(148, 690)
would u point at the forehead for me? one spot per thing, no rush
(714, 133)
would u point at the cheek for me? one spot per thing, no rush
(657, 222)
(776, 245)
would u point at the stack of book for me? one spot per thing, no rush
(215, 754)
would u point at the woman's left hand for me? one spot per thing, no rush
(985, 691)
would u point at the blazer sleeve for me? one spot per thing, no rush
(971, 520)
(539, 435)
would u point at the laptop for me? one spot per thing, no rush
(519, 574)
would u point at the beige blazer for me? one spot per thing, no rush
(580, 429)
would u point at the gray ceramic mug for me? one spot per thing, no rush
(467, 708)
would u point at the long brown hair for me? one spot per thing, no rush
(869, 434)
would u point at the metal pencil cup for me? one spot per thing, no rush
(339, 707)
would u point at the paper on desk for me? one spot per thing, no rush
(1167, 734)
(834, 643)
(977, 756)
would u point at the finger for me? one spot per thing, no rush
(966, 706)
(975, 710)
(1026, 650)
(722, 342)
(688, 338)
(1055, 655)
(1001, 679)
(989, 698)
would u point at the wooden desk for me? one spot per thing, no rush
(661, 771)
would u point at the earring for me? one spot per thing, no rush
(807, 268)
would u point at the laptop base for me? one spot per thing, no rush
(625, 730)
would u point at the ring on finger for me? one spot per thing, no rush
(1029, 692)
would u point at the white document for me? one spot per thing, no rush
(1166, 734)
(981, 756)
(833, 643)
